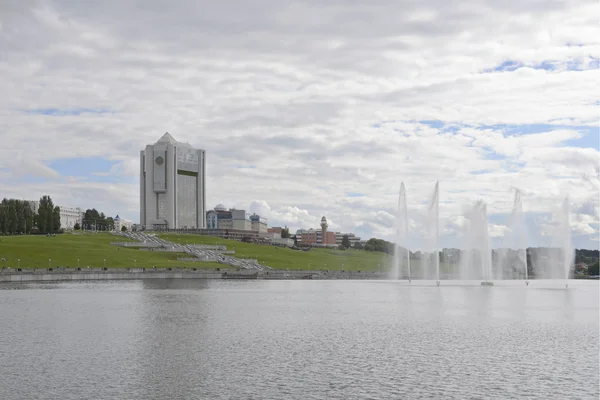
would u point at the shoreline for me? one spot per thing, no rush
(165, 273)
(96, 274)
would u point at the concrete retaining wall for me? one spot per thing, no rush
(131, 273)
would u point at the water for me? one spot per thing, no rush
(299, 340)
(401, 260)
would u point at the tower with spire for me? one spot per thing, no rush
(324, 230)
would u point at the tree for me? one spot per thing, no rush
(77, 226)
(374, 244)
(56, 219)
(593, 269)
(345, 242)
(16, 216)
(123, 228)
(285, 233)
(358, 246)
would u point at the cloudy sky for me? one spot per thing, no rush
(311, 108)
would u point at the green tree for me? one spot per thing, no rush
(76, 226)
(4, 217)
(345, 242)
(285, 233)
(123, 228)
(593, 269)
(358, 246)
(93, 220)
(48, 216)
(13, 217)
(56, 219)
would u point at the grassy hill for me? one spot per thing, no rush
(90, 248)
(284, 258)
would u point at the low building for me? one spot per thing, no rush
(68, 216)
(239, 220)
(275, 229)
(339, 237)
(122, 222)
(259, 224)
(322, 237)
(283, 242)
(313, 237)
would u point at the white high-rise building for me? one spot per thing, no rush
(172, 186)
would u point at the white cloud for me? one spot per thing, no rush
(300, 104)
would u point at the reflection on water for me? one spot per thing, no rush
(157, 339)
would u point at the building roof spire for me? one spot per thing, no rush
(167, 138)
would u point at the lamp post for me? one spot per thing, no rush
(49, 263)
(105, 263)
(78, 263)
(135, 263)
(18, 263)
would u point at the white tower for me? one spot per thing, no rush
(172, 185)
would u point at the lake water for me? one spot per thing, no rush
(195, 339)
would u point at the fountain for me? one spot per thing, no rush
(511, 260)
(401, 250)
(476, 259)
(563, 240)
(433, 230)
(555, 262)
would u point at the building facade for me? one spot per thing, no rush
(172, 185)
(314, 237)
(259, 224)
(122, 222)
(240, 220)
(351, 237)
(323, 237)
(71, 216)
(68, 216)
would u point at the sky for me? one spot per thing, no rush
(311, 108)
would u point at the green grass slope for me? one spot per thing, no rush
(284, 258)
(90, 248)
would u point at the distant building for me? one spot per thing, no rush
(259, 224)
(221, 218)
(283, 242)
(71, 216)
(275, 229)
(339, 237)
(314, 237)
(68, 216)
(122, 222)
(172, 185)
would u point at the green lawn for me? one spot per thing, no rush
(90, 248)
(284, 258)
